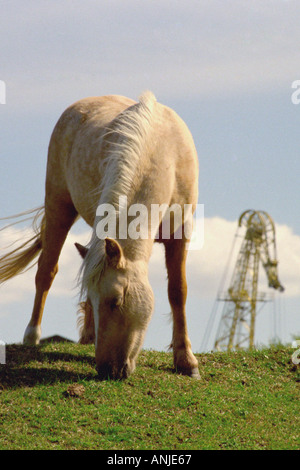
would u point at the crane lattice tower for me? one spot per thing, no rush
(237, 325)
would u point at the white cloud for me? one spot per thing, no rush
(288, 251)
(22, 286)
(205, 267)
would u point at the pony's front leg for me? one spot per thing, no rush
(184, 360)
(57, 225)
(44, 278)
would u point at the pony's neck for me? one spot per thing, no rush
(137, 250)
(133, 232)
(128, 140)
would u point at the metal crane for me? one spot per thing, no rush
(237, 325)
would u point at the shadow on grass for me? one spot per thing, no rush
(17, 354)
(17, 372)
(27, 366)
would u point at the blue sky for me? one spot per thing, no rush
(227, 68)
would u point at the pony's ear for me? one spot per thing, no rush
(82, 250)
(114, 253)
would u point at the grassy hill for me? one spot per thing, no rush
(50, 398)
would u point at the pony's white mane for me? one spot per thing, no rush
(127, 138)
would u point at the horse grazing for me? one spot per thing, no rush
(102, 148)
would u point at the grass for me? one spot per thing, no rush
(50, 398)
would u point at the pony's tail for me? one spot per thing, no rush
(20, 259)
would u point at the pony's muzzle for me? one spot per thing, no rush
(113, 372)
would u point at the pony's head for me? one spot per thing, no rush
(122, 302)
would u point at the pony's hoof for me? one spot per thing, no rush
(32, 335)
(194, 372)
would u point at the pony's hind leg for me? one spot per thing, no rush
(57, 225)
(184, 360)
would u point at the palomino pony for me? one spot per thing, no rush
(103, 148)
